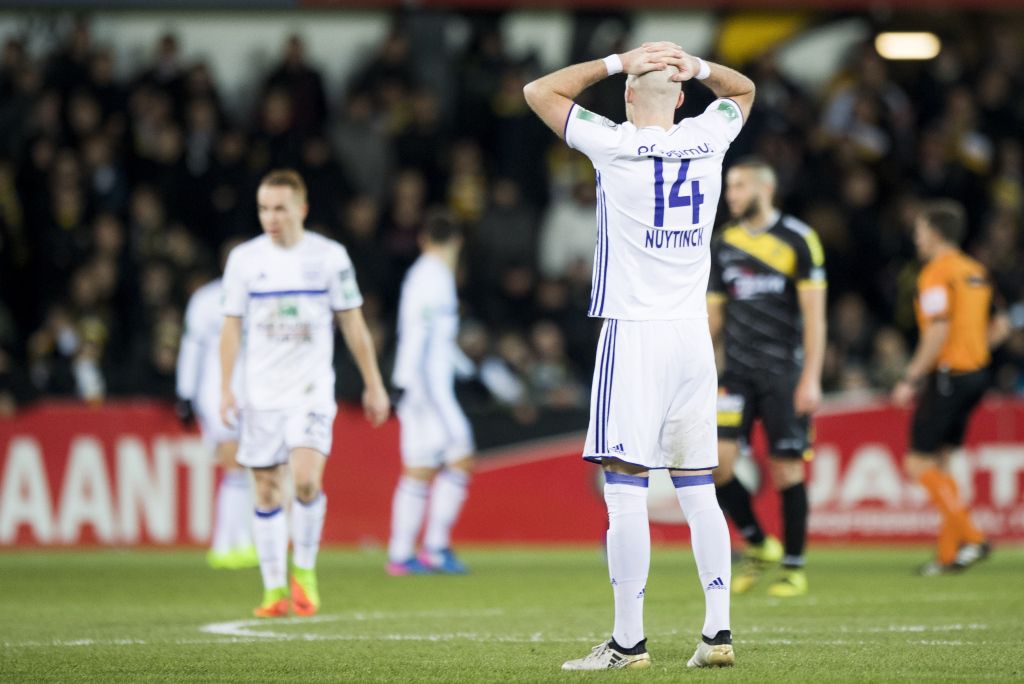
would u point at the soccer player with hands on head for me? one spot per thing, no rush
(287, 288)
(654, 387)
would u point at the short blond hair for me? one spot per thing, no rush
(286, 178)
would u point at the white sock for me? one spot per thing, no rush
(270, 533)
(709, 535)
(407, 509)
(307, 526)
(234, 506)
(629, 553)
(446, 499)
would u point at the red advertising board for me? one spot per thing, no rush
(128, 474)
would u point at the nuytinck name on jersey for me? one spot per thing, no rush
(674, 239)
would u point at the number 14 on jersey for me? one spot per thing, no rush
(675, 196)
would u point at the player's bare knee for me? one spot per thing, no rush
(266, 488)
(463, 464)
(786, 472)
(614, 465)
(915, 464)
(727, 452)
(421, 473)
(722, 474)
(226, 455)
(307, 491)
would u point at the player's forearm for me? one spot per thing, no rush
(230, 343)
(568, 82)
(360, 344)
(726, 82)
(716, 317)
(549, 96)
(815, 339)
(812, 313)
(927, 353)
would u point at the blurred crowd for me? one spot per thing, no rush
(116, 195)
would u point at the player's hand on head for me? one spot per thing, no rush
(686, 64)
(376, 405)
(648, 57)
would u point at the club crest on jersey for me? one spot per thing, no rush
(311, 273)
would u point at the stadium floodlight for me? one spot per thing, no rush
(907, 45)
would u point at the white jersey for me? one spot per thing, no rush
(198, 377)
(287, 298)
(428, 325)
(657, 194)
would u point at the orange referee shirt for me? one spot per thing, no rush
(956, 288)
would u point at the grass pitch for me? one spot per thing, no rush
(163, 616)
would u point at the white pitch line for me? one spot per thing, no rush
(856, 642)
(245, 632)
(244, 628)
(454, 636)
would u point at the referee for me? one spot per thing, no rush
(950, 369)
(767, 294)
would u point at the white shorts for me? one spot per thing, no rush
(213, 429)
(653, 401)
(268, 437)
(434, 430)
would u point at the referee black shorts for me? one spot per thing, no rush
(944, 407)
(743, 397)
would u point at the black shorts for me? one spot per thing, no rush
(944, 408)
(745, 397)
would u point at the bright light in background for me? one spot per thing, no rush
(908, 45)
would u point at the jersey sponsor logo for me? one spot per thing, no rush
(349, 288)
(587, 115)
(728, 110)
(745, 284)
(674, 239)
(702, 150)
(282, 322)
(617, 449)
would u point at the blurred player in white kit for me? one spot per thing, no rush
(286, 288)
(198, 388)
(436, 439)
(653, 400)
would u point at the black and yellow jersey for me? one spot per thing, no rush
(758, 275)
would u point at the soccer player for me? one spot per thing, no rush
(284, 288)
(653, 395)
(767, 293)
(950, 370)
(436, 439)
(198, 381)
